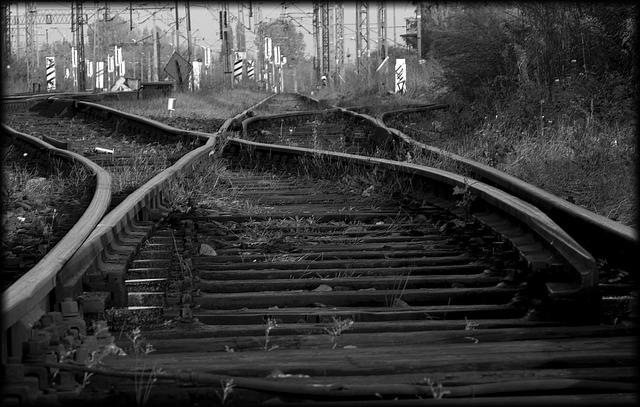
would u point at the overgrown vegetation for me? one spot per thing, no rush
(40, 204)
(539, 90)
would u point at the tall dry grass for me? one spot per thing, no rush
(592, 165)
(202, 105)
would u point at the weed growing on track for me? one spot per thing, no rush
(470, 325)
(437, 390)
(145, 165)
(227, 388)
(270, 324)
(181, 193)
(39, 203)
(399, 286)
(336, 329)
(466, 198)
(144, 378)
(68, 353)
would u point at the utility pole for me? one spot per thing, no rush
(395, 43)
(382, 30)
(188, 12)
(29, 17)
(240, 28)
(316, 37)
(224, 36)
(155, 50)
(80, 43)
(17, 33)
(95, 62)
(5, 10)
(260, 68)
(339, 14)
(419, 28)
(177, 29)
(325, 38)
(362, 35)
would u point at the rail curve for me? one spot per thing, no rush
(99, 264)
(534, 219)
(26, 295)
(600, 235)
(59, 275)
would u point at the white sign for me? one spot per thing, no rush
(276, 55)
(207, 57)
(118, 54)
(122, 66)
(100, 74)
(196, 74)
(110, 63)
(267, 47)
(74, 57)
(89, 66)
(401, 75)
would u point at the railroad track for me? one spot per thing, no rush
(37, 209)
(131, 155)
(305, 276)
(29, 283)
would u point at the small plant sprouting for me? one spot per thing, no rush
(466, 197)
(144, 378)
(48, 228)
(227, 389)
(470, 325)
(437, 390)
(338, 326)
(96, 357)
(271, 323)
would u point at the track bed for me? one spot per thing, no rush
(131, 159)
(347, 290)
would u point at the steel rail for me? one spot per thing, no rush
(148, 196)
(339, 390)
(525, 212)
(27, 294)
(599, 234)
(63, 267)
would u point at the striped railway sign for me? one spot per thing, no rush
(237, 70)
(51, 73)
(250, 70)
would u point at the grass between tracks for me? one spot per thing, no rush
(39, 205)
(199, 111)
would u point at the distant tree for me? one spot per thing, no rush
(114, 31)
(472, 46)
(283, 32)
(528, 43)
